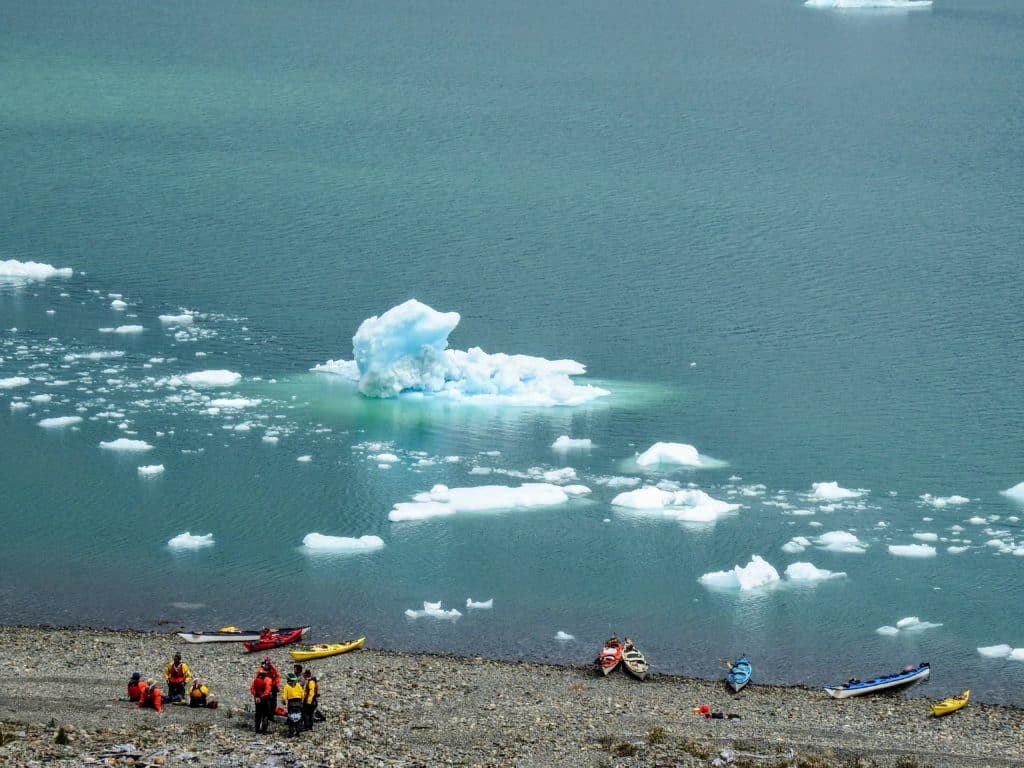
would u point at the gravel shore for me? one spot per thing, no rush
(403, 709)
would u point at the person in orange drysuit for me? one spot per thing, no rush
(151, 697)
(263, 697)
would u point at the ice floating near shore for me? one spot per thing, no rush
(434, 611)
(441, 501)
(126, 445)
(24, 271)
(757, 573)
(187, 541)
(890, 5)
(912, 550)
(151, 470)
(319, 543)
(832, 491)
(58, 422)
(405, 350)
(1016, 493)
(566, 443)
(14, 381)
(483, 605)
(689, 505)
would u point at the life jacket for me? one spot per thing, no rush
(275, 677)
(135, 689)
(312, 692)
(197, 695)
(261, 687)
(292, 692)
(176, 672)
(151, 698)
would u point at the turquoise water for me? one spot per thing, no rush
(787, 236)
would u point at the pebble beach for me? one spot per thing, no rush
(59, 704)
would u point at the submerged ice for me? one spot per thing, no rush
(405, 350)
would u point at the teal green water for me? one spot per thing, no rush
(790, 237)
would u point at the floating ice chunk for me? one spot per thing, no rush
(925, 536)
(1016, 493)
(433, 610)
(1017, 654)
(886, 5)
(914, 624)
(576, 490)
(14, 270)
(560, 635)
(152, 469)
(566, 443)
(618, 482)
(977, 520)
(442, 500)
(41, 398)
(13, 381)
(385, 458)
(235, 403)
(669, 453)
(831, 491)
(214, 378)
(841, 541)
(483, 605)
(943, 501)
(796, 545)
(808, 572)
(93, 356)
(129, 329)
(912, 550)
(183, 319)
(689, 505)
(996, 651)
(57, 422)
(305, 459)
(187, 541)
(126, 445)
(887, 630)
(757, 573)
(405, 350)
(956, 550)
(118, 304)
(320, 543)
(19, 405)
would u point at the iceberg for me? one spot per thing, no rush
(1016, 493)
(670, 453)
(847, 5)
(219, 378)
(566, 443)
(405, 350)
(441, 501)
(187, 541)
(433, 610)
(912, 550)
(560, 635)
(841, 541)
(808, 572)
(480, 604)
(57, 422)
(13, 381)
(996, 651)
(151, 470)
(24, 271)
(124, 444)
(689, 505)
(757, 573)
(834, 492)
(317, 542)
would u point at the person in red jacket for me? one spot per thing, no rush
(151, 697)
(263, 697)
(275, 682)
(135, 686)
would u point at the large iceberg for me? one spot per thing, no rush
(24, 271)
(405, 350)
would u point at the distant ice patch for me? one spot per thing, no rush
(831, 491)
(808, 572)
(235, 403)
(305, 459)
(912, 550)
(319, 543)
(483, 605)
(926, 536)
(670, 453)
(57, 422)
(151, 470)
(914, 624)
(119, 305)
(187, 541)
(996, 651)
(405, 350)
(757, 573)
(126, 445)
(841, 541)
(14, 381)
(796, 545)
(434, 611)
(560, 635)
(944, 501)
(182, 319)
(689, 505)
(849, 5)
(566, 443)
(13, 270)
(214, 378)
(441, 501)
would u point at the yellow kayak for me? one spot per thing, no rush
(325, 649)
(952, 704)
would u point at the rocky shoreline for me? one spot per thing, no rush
(406, 709)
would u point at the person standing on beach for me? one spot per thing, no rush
(310, 698)
(275, 682)
(292, 697)
(263, 699)
(177, 674)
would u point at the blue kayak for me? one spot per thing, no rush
(739, 673)
(881, 683)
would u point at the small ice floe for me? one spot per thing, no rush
(119, 305)
(563, 636)
(831, 491)
(305, 459)
(385, 458)
(796, 545)
(187, 541)
(914, 624)
(441, 500)
(943, 501)
(870, 5)
(126, 445)
(757, 573)
(807, 572)
(41, 399)
(576, 490)
(688, 505)
(213, 378)
(912, 550)
(926, 536)
(996, 651)
(58, 422)
(182, 319)
(13, 381)
(235, 403)
(19, 405)
(1016, 493)
(566, 443)
(888, 630)
(679, 454)
(14, 270)
(841, 541)
(127, 329)
(270, 439)
(434, 611)
(482, 605)
(617, 481)
(976, 520)
(317, 542)
(151, 470)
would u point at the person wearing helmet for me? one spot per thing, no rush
(275, 682)
(291, 696)
(135, 687)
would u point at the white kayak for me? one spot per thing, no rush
(222, 635)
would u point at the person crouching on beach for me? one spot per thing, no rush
(177, 674)
(151, 697)
(310, 698)
(135, 687)
(197, 694)
(263, 697)
(292, 696)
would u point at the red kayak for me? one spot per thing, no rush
(610, 656)
(276, 638)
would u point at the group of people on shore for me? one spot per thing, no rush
(300, 693)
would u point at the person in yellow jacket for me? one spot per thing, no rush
(177, 674)
(292, 696)
(310, 699)
(197, 694)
